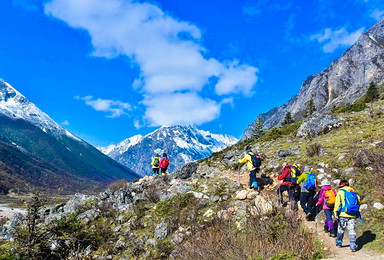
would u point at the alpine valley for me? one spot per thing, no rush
(182, 144)
(36, 152)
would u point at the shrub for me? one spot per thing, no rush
(355, 107)
(278, 132)
(117, 185)
(313, 149)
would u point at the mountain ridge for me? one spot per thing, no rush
(344, 81)
(183, 144)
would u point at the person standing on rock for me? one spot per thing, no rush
(287, 184)
(327, 198)
(308, 190)
(156, 165)
(164, 163)
(253, 162)
(346, 211)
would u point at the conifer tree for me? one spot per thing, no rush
(258, 132)
(310, 109)
(287, 119)
(372, 93)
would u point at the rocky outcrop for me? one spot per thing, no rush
(319, 124)
(342, 82)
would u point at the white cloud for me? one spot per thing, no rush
(377, 14)
(333, 40)
(237, 79)
(180, 108)
(168, 51)
(115, 108)
(65, 123)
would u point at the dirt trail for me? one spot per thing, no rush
(329, 242)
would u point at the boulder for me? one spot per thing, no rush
(162, 230)
(242, 195)
(178, 238)
(378, 205)
(318, 124)
(349, 171)
(295, 150)
(187, 170)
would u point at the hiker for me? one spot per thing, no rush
(346, 211)
(253, 161)
(308, 190)
(327, 198)
(287, 184)
(164, 163)
(155, 164)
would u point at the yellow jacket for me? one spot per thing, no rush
(247, 159)
(153, 162)
(339, 203)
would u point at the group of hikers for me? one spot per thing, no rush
(341, 209)
(160, 165)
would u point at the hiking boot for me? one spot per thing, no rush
(332, 235)
(338, 245)
(353, 249)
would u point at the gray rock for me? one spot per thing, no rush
(214, 199)
(178, 238)
(120, 245)
(319, 124)
(181, 188)
(162, 230)
(151, 242)
(187, 170)
(349, 171)
(241, 213)
(295, 150)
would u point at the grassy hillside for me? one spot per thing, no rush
(357, 146)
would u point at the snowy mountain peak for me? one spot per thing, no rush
(183, 144)
(14, 105)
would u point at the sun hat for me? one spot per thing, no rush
(325, 183)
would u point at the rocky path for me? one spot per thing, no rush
(329, 242)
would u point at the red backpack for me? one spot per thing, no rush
(165, 163)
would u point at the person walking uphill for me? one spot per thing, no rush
(164, 163)
(253, 161)
(308, 189)
(287, 184)
(327, 198)
(155, 164)
(346, 211)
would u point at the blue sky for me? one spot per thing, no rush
(109, 69)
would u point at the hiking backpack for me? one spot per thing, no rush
(351, 205)
(330, 197)
(256, 160)
(165, 163)
(310, 183)
(295, 172)
(156, 162)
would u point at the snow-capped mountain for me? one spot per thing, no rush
(15, 105)
(35, 151)
(183, 144)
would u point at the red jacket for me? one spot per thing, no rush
(284, 175)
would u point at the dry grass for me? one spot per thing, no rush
(262, 238)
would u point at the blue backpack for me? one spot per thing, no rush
(351, 205)
(310, 183)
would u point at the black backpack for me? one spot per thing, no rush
(256, 160)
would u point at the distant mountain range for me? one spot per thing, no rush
(342, 82)
(183, 144)
(37, 153)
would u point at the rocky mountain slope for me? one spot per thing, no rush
(342, 82)
(202, 212)
(37, 152)
(182, 144)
